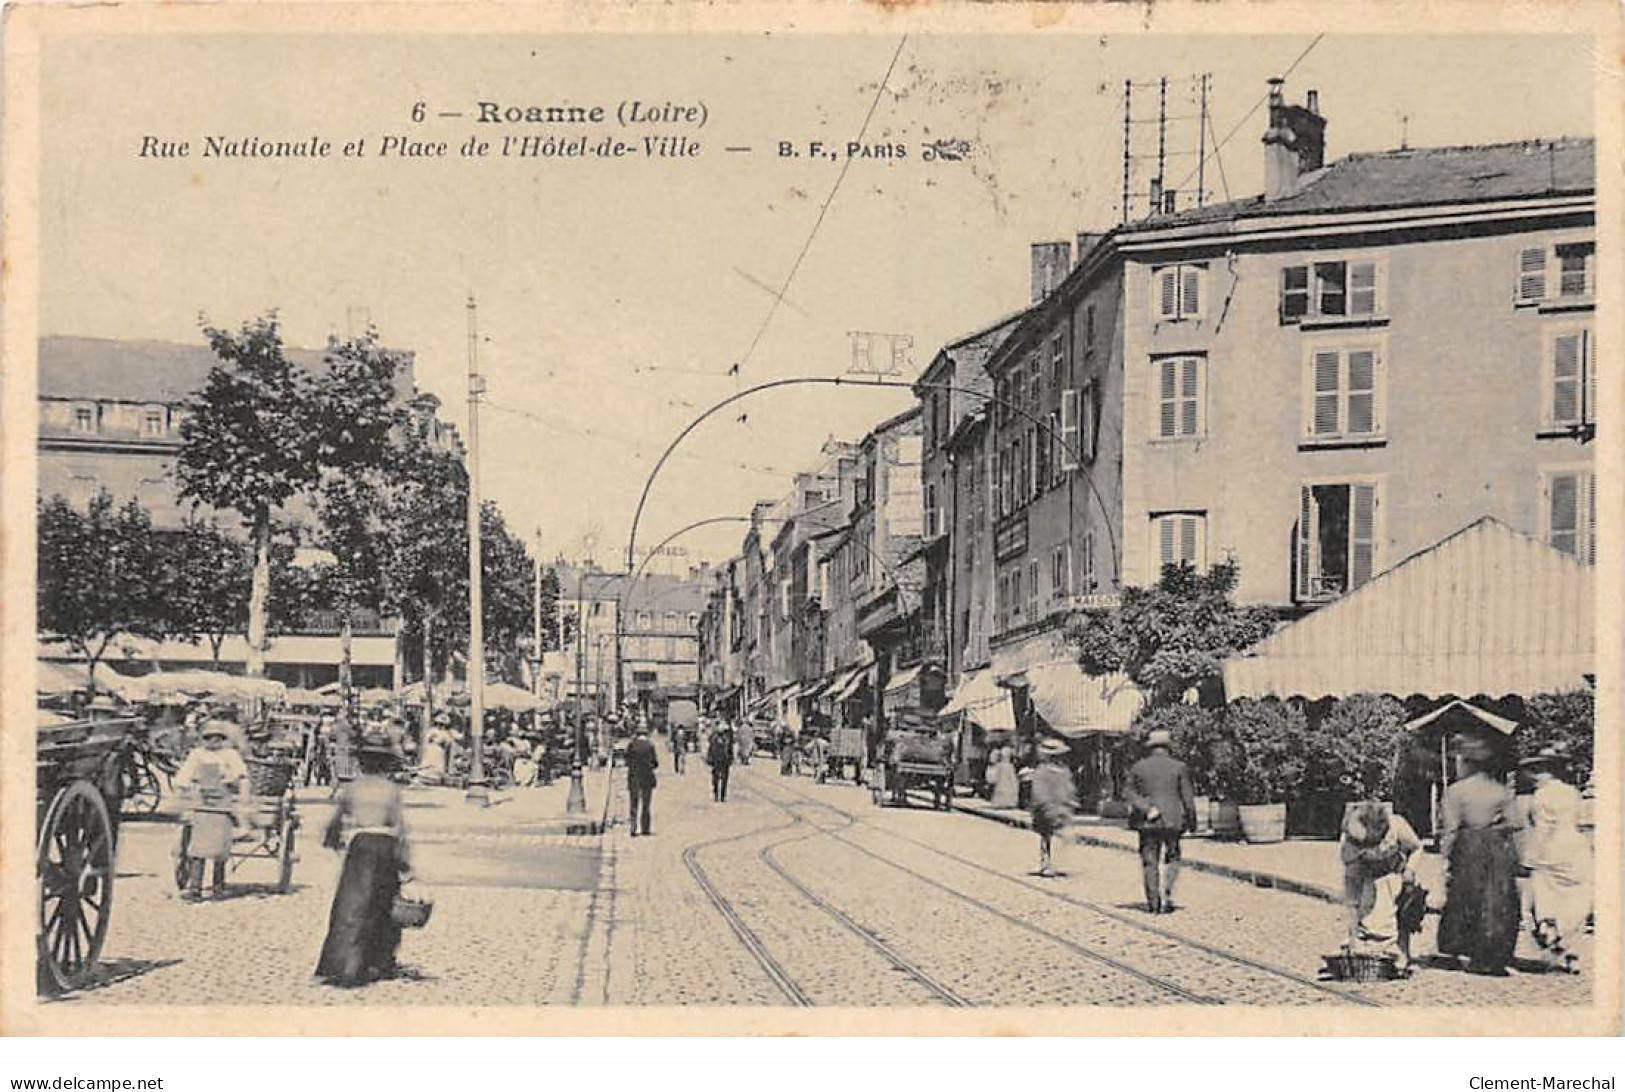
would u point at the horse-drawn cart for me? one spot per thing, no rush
(77, 781)
(916, 760)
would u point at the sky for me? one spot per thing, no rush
(614, 296)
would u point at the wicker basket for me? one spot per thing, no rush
(410, 913)
(269, 776)
(1361, 967)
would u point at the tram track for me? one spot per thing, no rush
(1209, 950)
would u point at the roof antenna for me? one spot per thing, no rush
(1551, 166)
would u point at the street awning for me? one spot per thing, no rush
(1483, 716)
(976, 690)
(1073, 703)
(849, 685)
(902, 680)
(1488, 610)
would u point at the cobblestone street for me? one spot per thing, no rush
(790, 893)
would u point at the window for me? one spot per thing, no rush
(1089, 328)
(1015, 595)
(1086, 568)
(1565, 271)
(1057, 359)
(1179, 396)
(1032, 590)
(1346, 289)
(1570, 504)
(693, 620)
(84, 419)
(643, 619)
(994, 466)
(1061, 571)
(1070, 446)
(1177, 292)
(932, 514)
(1343, 393)
(1052, 444)
(1570, 379)
(1035, 384)
(1040, 440)
(1336, 538)
(671, 620)
(1001, 605)
(152, 421)
(1179, 538)
(1088, 414)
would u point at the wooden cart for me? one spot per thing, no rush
(77, 775)
(916, 760)
(272, 829)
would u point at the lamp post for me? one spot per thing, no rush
(476, 620)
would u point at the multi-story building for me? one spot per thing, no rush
(110, 416)
(1272, 380)
(660, 635)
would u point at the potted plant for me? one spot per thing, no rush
(1269, 764)
(1361, 736)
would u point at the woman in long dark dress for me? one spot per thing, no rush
(1482, 910)
(362, 937)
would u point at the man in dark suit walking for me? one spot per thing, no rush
(719, 755)
(1164, 807)
(642, 760)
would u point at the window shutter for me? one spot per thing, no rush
(1170, 388)
(1362, 533)
(1052, 444)
(1531, 274)
(1590, 552)
(1308, 543)
(1324, 421)
(1088, 582)
(1032, 463)
(1187, 539)
(1070, 447)
(1190, 291)
(1566, 378)
(1190, 397)
(1589, 355)
(1032, 589)
(1363, 288)
(1362, 411)
(1166, 303)
(1564, 525)
(1166, 528)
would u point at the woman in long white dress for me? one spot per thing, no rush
(1558, 858)
(1006, 786)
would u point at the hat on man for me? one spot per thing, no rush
(1054, 747)
(1159, 737)
(217, 729)
(1543, 759)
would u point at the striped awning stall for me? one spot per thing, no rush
(902, 680)
(1073, 703)
(850, 684)
(1488, 610)
(983, 700)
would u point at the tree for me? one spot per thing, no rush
(250, 442)
(99, 575)
(1173, 635)
(1355, 747)
(1564, 721)
(507, 584)
(208, 577)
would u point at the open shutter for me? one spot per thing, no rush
(1362, 533)
(1531, 274)
(1362, 392)
(1086, 583)
(1324, 416)
(1071, 449)
(1167, 541)
(1590, 553)
(1567, 381)
(1308, 543)
(1189, 529)
(1589, 389)
(1190, 291)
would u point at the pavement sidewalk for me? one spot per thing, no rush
(1302, 866)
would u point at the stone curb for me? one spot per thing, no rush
(1230, 872)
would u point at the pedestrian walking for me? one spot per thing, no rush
(216, 777)
(719, 755)
(1384, 903)
(1481, 910)
(1163, 807)
(362, 935)
(1558, 859)
(1006, 785)
(642, 760)
(674, 735)
(820, 758)
(747, 743)
(1053, 799)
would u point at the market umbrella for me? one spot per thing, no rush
(299, 696)
(377, 695)
(507, 696)
(446, 691)
(203, 684)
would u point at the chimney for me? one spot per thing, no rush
(1168, 204)
(1294, 143)
(1051, 262)
(1086, 243)
(1155, 203)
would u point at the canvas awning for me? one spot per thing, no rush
(976, 690)
(851, 684)
(1483, 716)
(1073, 703)
(902, 680)
(52, 679)
(1488, 610)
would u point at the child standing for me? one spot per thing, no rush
(215, 773)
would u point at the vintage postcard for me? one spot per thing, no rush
(571, 519)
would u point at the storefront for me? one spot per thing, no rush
(981, 712)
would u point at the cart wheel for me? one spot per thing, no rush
(74, 864)
(286, 858)
(139, 792)
(182, 864)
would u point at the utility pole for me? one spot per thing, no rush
(576, 802)
(536, 620)
(476, 617)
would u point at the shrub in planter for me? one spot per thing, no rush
(1196, 738)
(1357, 745)
(1266, 762)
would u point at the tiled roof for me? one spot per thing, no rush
(130, 371)
(1418, 176)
